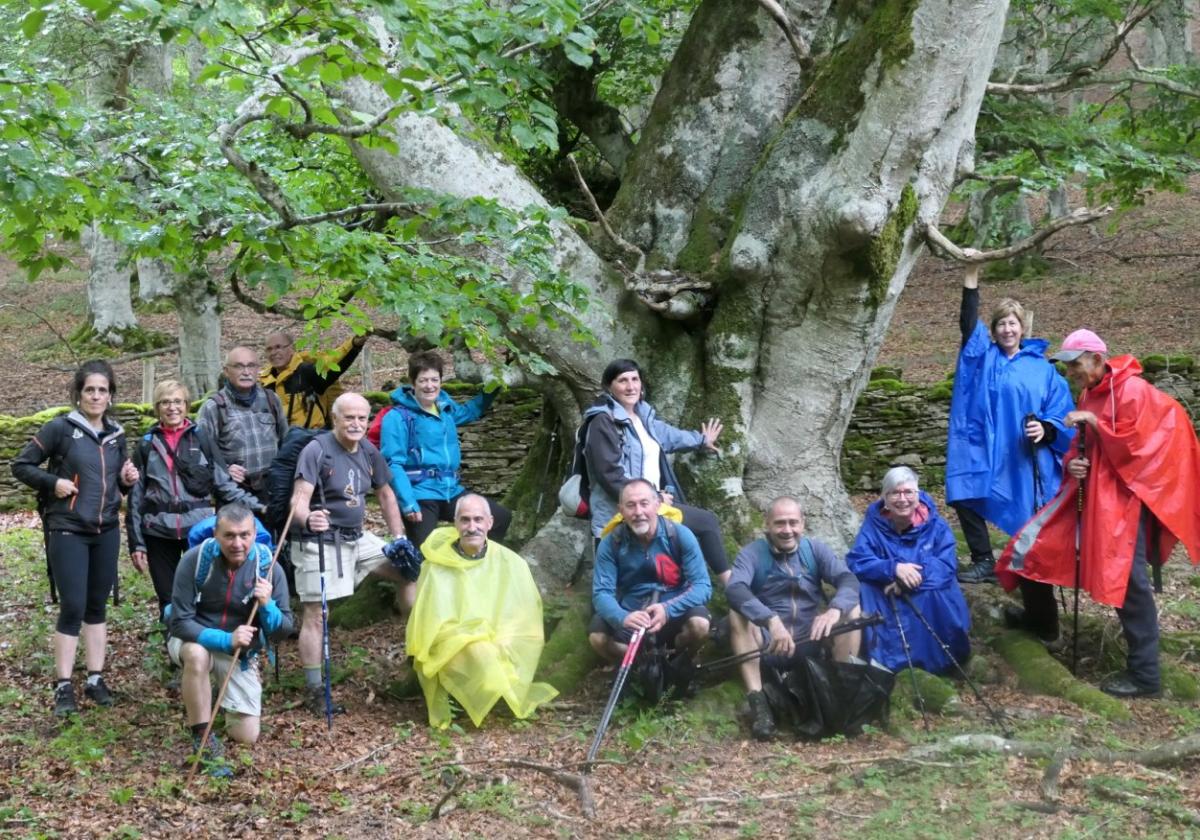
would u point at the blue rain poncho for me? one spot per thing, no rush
(930, 544)
(989, 462)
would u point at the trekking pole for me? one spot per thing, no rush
(1037, 475)
(212, 718)
(996, 716)
(614, 695)
(326, 669)
(908, 656)
(849, 626)
(1078, 550)
(537, 511)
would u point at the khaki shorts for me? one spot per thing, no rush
(244, 694)
(359, 558)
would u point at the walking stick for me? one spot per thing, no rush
(1078, 550)
(908, 655)
(325, 664)
(212, 718)
(615, 694)
(848, 626)
(996, 717)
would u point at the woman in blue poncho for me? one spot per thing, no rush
(1007, 438)
(904, 559)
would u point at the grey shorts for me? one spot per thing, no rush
(358, 559)
(244, 694)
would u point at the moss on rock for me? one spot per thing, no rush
(567, 657)
(373, 601)
(937, 693)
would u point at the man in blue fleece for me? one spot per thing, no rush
(216, 585)
(778, 603)
(649, 574)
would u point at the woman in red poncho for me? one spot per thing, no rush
(1141, 476)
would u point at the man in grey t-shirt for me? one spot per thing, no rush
(334, 473)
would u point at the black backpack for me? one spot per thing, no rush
(281, 475)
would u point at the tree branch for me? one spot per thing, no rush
(797, 42)
(940, 242)
(1092, 75)
(1037, 85)
(625, 245)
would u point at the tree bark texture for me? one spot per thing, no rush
(797, 191)
(108, 287)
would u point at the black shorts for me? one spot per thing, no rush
(666, 636)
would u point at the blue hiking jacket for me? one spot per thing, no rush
(425, 465)
(877, 550)
(989, 465)
(626, 574)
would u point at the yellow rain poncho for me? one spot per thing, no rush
(476, 631)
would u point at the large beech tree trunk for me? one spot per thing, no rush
(800, 193)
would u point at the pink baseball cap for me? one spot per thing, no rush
(1078, 343)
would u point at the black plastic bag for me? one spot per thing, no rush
(817, 697)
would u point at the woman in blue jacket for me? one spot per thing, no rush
(904, 549)
(1007, 438)
(624, 439)
(419, 440)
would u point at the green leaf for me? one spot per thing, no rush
(209, 72)
(31, 24)
(330, 74)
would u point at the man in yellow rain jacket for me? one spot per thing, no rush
(306, 393)
(475, 632)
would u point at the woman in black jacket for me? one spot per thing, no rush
(177, 478)
(80, 499)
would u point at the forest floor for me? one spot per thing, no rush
(679, 771)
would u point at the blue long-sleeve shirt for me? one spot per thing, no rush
(628, 573)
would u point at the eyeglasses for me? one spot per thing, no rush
(175, 401)
(271, 347)
(247, 367)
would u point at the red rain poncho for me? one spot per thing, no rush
(1143, 453)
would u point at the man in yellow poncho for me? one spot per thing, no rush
(476, 629)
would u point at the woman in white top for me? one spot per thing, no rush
(624, 440)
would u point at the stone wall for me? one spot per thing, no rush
(894, 423)
(493, 449)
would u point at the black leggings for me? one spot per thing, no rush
(707, 528)
(975, 531)
(436, 511)
(162, 555)
(85, 568)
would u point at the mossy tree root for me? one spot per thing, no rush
(1039, 672)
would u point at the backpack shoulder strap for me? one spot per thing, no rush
(762, 564)
(209, 549)
(673, 537)
(808, 559)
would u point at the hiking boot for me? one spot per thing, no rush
(1123, 685)
(212, 757)
(64, 700)
(762, 722)
(314, 701)
(98, 693)
(982, 571)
